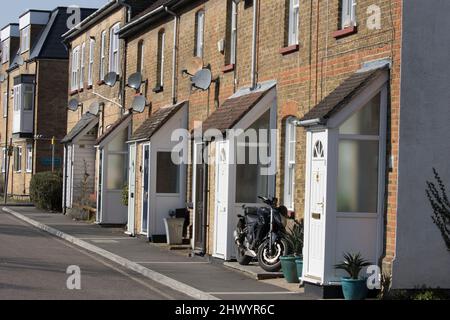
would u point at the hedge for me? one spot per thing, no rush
(46, 191)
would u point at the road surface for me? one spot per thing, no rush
(34, 265)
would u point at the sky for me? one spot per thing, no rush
(11, 9)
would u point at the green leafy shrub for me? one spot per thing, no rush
(294, 237)
(352, 264)
(46, 191)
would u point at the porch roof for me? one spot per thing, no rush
(112, 128)
(82, 124)
(236, 107)
(155, 122)
(341, 96)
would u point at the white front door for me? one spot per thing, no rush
(221, 214)
(316, 218)
(131, 189)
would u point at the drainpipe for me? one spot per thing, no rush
(129, 9)
(64, 206)
(6, 165)
(174, 52)
(255, 30)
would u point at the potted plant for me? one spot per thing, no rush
(292, 264)
(353, 287)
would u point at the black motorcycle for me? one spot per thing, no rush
(260, 234)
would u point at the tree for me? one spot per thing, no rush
(437, 195)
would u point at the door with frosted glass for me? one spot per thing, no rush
(317, 205)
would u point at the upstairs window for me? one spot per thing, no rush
(140, 57)
(25, 39)
(160, 65)
(232, 32)
(27, 97)
(199, 33)
(91, 61)
(75, 68)
(103, 57)
(82, 65)
(348, 16)
(5, 51)
(114, 49)
(294, 13)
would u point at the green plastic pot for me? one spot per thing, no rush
(354, 289)
(299, 265)
(289, 268)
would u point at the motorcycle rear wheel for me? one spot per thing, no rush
(272, 263)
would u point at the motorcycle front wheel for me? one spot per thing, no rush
(271, 262)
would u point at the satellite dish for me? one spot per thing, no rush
(139, 104)
(20, 61)
(194, 65)
(73, 104)
(111, 79)
(135, 81)
(202, 79)
(94, 108)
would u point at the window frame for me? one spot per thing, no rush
(233, 33)
(91, 62)
(348, 14)
(5, 104)
(29, 158)
(290, 163)
(102, 68)
(200, 33)
(25, 41)
(18, 156)
(74, 81)
(5, 51)
(23, 90)
(293, 22)
(140, 57)
(114, 49)
(82, 65)
(160, 59)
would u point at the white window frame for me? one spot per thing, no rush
(200, 36)
(74, 82)
(18, 165)
(102, 68)
(290, 163)
(114, 49)
(348, 17)
(91, 62)
(82, 65)
(25, 39)
(17, 98)
(233, 32)
(5, 104)
(4, 159)
(24, 87)
(5, 51)
(162, 44)
(29, 164)
(294, 17)
(141, 51)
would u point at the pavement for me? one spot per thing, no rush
(192, 277)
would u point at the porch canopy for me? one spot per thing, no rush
(117, 126)
(341, 96)
(84, 125)
(235, 108)
(155, 122)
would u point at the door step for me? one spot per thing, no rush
(253, 270)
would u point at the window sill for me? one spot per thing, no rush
(89, 87)
(158, 89)
(228, 68)
(73, 92)
(289, 49)
(101, 82)
(345, 32)
(81, 90)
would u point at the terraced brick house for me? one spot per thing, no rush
(33, 90)
(360, 108)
